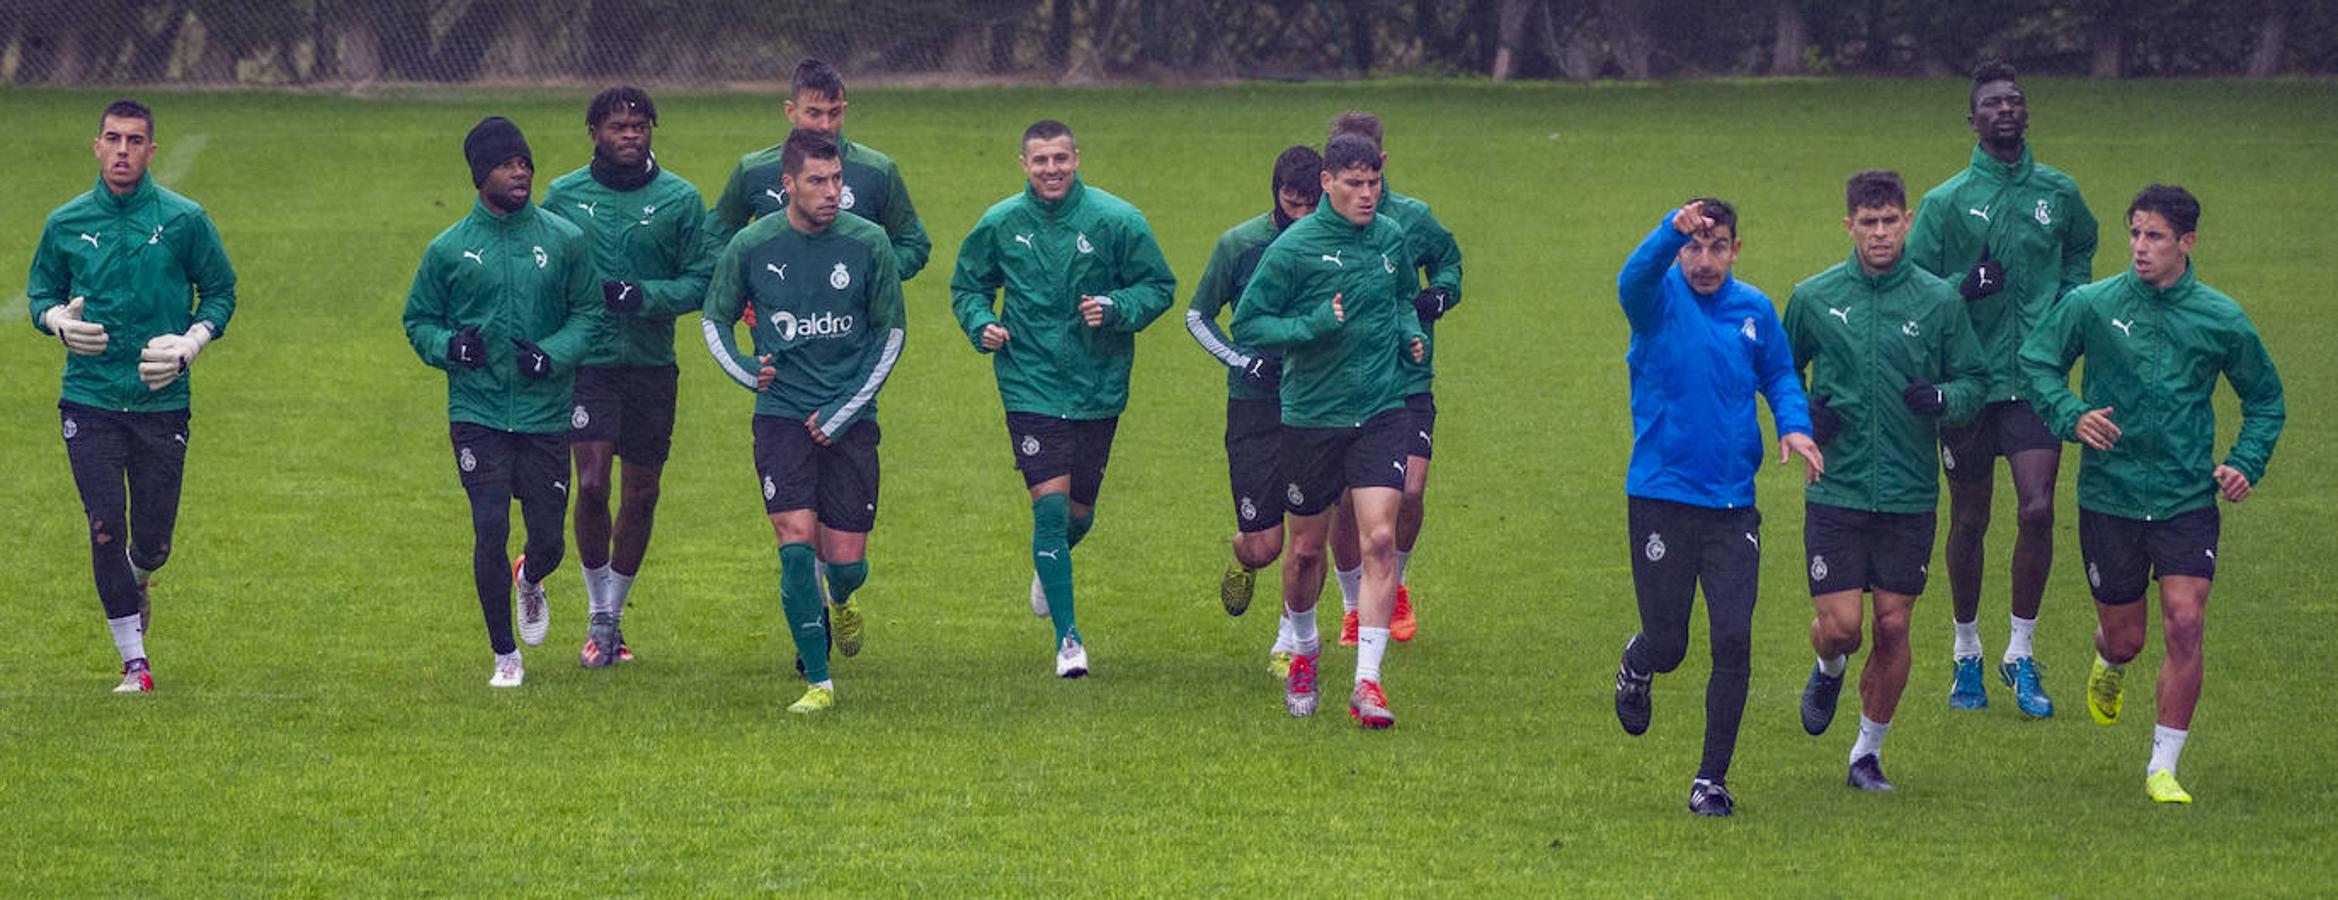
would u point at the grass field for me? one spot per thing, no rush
(323, 725)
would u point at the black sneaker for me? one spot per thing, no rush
(1818, 700)
(1631, 695)
(1867, 774)
(1709, 798)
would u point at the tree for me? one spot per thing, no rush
(2272, 31)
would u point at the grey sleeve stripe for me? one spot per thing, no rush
(884, 367)
(722, 354)
(1209, 341)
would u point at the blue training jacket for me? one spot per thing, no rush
(1696, 362)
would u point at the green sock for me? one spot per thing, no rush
(799, 598)
(1051, 556)
(1079, 528)
(845, 578)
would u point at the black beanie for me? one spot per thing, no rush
(491, 143)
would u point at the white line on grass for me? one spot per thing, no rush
(179, 159)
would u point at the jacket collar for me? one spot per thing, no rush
(2172, 294)
(1057, 208)
(2015, 172)
(1889, 279)
(487, 214)
(124, 202)
(1333, 218)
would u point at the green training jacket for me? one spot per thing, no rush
(873, 190)
(1232, 261)
(1438, 258)
(528, 275)
(827, 312)
(1862, 339)
(2152, 356)
(654, 237)
(1044, 255)
(133, 258)
(2030, 216)
(1336, 373)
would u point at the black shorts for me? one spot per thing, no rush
(1421, 408)
(1321, 464)
(145, 452)
(1676, 547)
(1851, 550)
(1254, 439)
(528, 466)
(2123, 555)
(630, 406)
(1047, 447)
(838, 482)
(1969, 452)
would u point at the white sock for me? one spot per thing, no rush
(1304, 640)
(1370, 644)
(2109, 664)
(618, 586)
(1833, 668)
(1351, 583)
(2166, 744)
(828, 683)
(1870, 740)
(596, 588)
(1968, 639)
(127, 638)
(2018, 646)
(1403, 558)
(1285, 641)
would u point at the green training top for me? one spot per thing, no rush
(527, 275)
(1336, 373)
(2152, 356)
(133, 258)
(827, 312)
(654, 237)
(2029, 215)
(1231, 264)
(873, 190)
(1044, 254)
(1863, 339)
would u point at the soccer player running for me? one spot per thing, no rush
(109, 280)
(505, 302)
(1891, 356)
(825, 341)
(1081, 275)
(1430, 249)
(1253, 412)
(2014, 236)
(644, 225)
(2155, 339)
(1703, 343)
(1331, 295)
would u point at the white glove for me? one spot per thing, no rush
(167, 356)
(82, 338)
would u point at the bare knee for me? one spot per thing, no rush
(1306, 556)
(1378, 540)
(1258, 549)
(1840, 629)
(2184, 631)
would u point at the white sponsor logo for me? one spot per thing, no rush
(1654, 549)
(561, 486)
(466, 460)
(182, 439)
(776, 197)
(1333, 258)
(770, 489)
(779, 270)
(1843, 314)
(473, 255)
(1292, 494)
(1399, 467)
(1424, 436)
(1083, 244)
(818, 325)
(2211, 554)
(1909, 328)
(1983, 213)
(2094, 576)
(1249, 510)
(578, 418)
(1386, 265)
(1025, 240)
(647, 212)
(91, 238)
(156, 237)
(1050, 554)
(1747, 329)
(541, 259)
(844, 199)
(1947, 457)
(1030, 445)
(838, 278)
(1750, 539)
(71, 428)
(1818, 568)
(2126, 328)
(2043, 215)
(588, 208)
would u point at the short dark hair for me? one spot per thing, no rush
(1350, 151)
(622, 98)
(1359, 123)
(1990, 72)
(1299, 170)
(2178, 206)
(817, 77)
(805, 144)
(127, 109)
(1722, 214)
(1048, 130)
(1874, 189)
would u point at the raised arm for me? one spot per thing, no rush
(1640, 286)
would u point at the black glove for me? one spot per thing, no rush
(621, 296)
(467, 347)
(1825, 425)
(1431, 303)
(1986, 278)
(1264, 373)
(1924, 398)
(531, 359)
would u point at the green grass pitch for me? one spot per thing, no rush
(324, 727)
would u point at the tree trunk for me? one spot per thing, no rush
(2109, 49)
(1627, 37)
(1793, 35)
(2272, 34)
(1513, 31)
(1575, 50)
(1360, 49)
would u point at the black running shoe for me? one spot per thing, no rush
(1631, 695)
(1867, 774)
(1818, 700)
(1709, 798)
